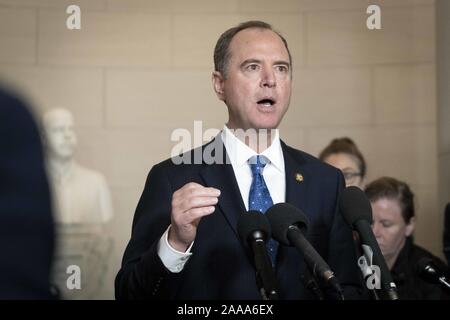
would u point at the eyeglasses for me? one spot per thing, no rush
(350, 176)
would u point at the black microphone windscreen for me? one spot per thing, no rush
(283, 215)
(354, 205)
(252, 221)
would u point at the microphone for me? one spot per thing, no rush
(254, 230)
(288, 226)
(429, 271)
(357, 211)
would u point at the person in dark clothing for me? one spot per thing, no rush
(393, 225)
(26, 224)
(184, 242)
(412, 286)
(344, 154)
(447, 233)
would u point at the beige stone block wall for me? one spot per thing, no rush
(339, 37)
(192, 42)
(89, 5)
(330, 96)
(78, 89)
(164, 99)
(174, 6)
(138, 69)
(105, 39)
(405, 94)
(18, 34)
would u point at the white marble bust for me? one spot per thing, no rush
(81, 195)
(82, 205)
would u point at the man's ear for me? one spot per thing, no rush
(410, 227)
(218, 84)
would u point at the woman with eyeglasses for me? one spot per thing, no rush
(343, 154)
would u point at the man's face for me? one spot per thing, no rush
(60, 136)
(257, 87)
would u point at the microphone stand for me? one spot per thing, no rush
(444, 283)
(265, 275)
(311, 284)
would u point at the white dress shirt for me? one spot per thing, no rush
(274, 176)
(239, 154)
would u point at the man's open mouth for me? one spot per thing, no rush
(266, 102)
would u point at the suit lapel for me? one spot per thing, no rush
(221, 176)
(290, 263)
(296, 186)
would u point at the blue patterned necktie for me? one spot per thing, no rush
(259, 197)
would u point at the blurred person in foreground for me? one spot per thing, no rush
(26, 223)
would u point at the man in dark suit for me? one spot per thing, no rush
(26, 225)
(184, 242)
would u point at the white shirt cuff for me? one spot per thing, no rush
(172, 259)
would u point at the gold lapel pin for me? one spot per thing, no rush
(298, 177)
